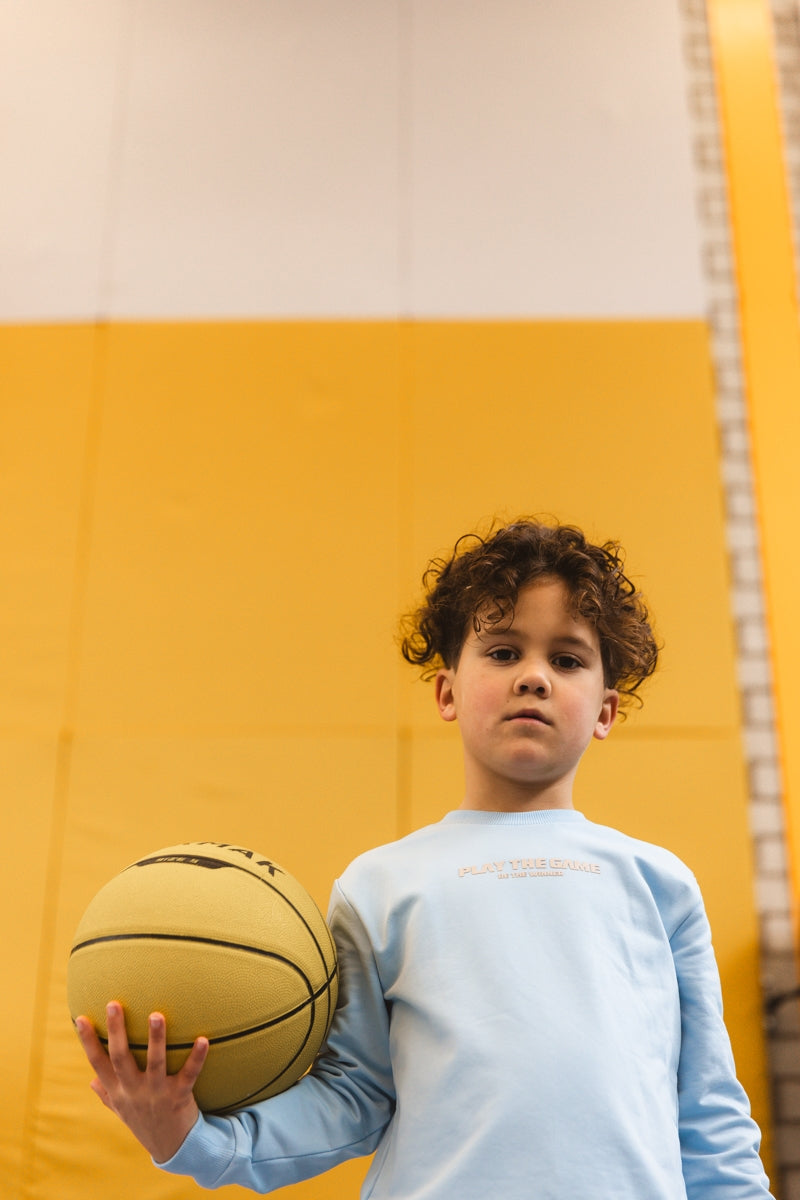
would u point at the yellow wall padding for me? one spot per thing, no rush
(770, 338)
(208, 534)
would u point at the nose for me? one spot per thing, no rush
(532, 679)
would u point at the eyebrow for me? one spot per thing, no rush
(579, 642)
(567, 640)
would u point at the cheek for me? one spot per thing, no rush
(585, 709)
(475, 711)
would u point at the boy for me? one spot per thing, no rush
(529, 1002)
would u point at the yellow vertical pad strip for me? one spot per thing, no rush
(770, 335)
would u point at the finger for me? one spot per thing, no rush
(122, 1060)
(92, 1046)
(191, 1069)
(157, 1045)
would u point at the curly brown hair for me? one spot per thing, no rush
(479, 583)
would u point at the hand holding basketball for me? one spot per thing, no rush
(225, 944)
(159, 1109)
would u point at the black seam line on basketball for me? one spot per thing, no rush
(232, 1105)
(310, 1001)
(241, 1100)
(332, 973)
(235, 866)
(184, 937)
(252, 1096)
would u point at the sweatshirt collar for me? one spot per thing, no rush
(547, 816)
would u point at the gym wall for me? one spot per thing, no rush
(293, 294)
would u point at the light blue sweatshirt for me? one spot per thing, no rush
(529, 1008)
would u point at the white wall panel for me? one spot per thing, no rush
(551, 171)
(260, 173)
(366, 158)
(61, 72)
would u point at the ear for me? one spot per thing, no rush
(608, 714)
(445, 699)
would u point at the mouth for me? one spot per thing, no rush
(530, 716)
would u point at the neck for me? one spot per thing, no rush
(490, 794)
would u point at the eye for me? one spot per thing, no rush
(567, 662)
(502, 654)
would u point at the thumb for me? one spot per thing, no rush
(101, 1092)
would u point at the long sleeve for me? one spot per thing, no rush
(719, 1140)
(338, 1111)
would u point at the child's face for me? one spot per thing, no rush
(528, 698)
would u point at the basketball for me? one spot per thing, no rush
(227, 945)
